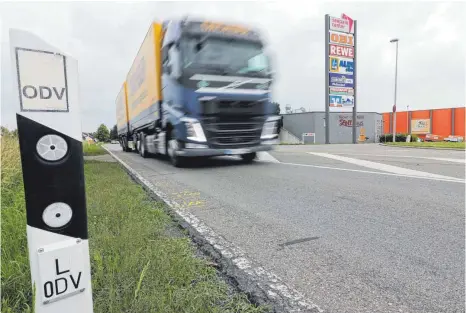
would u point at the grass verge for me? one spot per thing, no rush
(137, 266)
(442, 144)
(91, 149)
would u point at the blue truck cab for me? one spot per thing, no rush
(215, 85)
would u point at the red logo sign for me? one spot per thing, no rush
(350, 21)
(349, 123)
(342, 51)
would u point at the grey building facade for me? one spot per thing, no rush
(341, 130)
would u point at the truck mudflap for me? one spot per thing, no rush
(219, 152)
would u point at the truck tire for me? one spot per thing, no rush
(249, 157)
(142, 146)
(172, 146)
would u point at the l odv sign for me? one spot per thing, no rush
(342, 51)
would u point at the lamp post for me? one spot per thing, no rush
(395, 40)
(407, 119)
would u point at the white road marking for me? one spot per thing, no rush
(383, 167)
(453, 180)
(266, 157)
(406, 156)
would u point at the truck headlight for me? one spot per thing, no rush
(269, 131)
(193, 129)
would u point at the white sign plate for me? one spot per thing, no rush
(42, 80)
(61, 270)
(340, 24)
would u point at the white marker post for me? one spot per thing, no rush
(50, 138)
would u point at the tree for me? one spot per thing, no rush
(277, 107)
(102, 133)
(114, 133)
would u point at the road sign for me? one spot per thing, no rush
(50, 139)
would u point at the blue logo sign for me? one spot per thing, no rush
(341, 80)
(341, 65)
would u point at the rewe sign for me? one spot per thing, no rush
(342, 51)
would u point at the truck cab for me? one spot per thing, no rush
(215, 82)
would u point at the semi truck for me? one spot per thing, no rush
(198, 89)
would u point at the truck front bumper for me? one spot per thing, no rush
(194, 152)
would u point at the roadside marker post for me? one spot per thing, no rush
(50, 139)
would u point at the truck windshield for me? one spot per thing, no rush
(229, 57)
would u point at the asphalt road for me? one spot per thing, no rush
(356, 228)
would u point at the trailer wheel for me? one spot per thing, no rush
(172, 146)
(249, 157)
(142, 146)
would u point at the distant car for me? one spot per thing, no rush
(113, 141)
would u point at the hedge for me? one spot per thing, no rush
(398, 138)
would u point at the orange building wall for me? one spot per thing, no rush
(422, 114)
(441, 122)
(402, 122)
(459, 121)
(386, 123)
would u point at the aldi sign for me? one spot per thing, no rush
(341, 65)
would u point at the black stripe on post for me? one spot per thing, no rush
(48, 182)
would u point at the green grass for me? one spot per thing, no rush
(138, 265)
(91, 149)
(442, 144)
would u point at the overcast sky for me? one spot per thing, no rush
(105, 36)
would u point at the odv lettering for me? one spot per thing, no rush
(61, 284)
(43, 92)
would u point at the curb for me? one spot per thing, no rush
(261, 286)
(428, 148)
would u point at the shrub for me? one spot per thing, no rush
(398, 137)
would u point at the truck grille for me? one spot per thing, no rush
(232, 107)
(224, 132)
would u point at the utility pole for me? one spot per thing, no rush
(395, 40)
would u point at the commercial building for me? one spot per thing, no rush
(368, 127)
(440, 122)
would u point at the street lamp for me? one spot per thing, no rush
(395, 40)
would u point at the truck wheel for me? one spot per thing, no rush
(249, 157)
(142, 146)
(173, 146)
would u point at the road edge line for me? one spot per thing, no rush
(263, 287)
